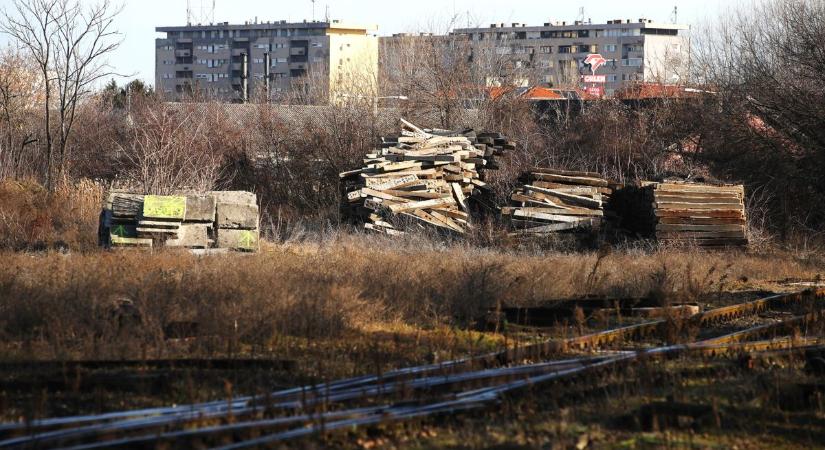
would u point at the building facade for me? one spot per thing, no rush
(263, 60)
(633, 51)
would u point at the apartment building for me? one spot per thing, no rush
(269, 59)
(640, 50)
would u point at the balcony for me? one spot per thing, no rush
(183, 53)
(239, 51)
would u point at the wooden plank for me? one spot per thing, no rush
(729, 213)
(548, 217)
(382, 195)
(695, 206)
(702, 220)
(571, 180)
(555, 227)
(394, 183)
(418, 194)
(434, 203)
(568, 212)
(706, 188)
(575, 199)
(569, 173)
(450, 223)
(714, 227)
(670, 199)
(700, 234)
(420, 173)
(571, 189)
(459, 196)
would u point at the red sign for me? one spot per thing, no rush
(595, 78)
(595, 60)
(596, 91)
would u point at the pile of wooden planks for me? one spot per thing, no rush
(218, 219)
(552, 200)
(422, 178)
(702, 214)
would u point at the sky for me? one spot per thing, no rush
(135, 56)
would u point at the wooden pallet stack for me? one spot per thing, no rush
(701, 214)
(423, 178)
(219, 219)
(553, 200)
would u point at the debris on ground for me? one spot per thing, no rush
(553, 200)
(422, 178)
(212, 220)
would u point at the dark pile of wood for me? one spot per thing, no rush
(218, 219)
(552, 200)
(701, 214)
(422, 178)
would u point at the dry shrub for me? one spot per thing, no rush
(31, 218)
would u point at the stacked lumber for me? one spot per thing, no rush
(553, 200)
(702, 214)
(219, 219)
(422, 178)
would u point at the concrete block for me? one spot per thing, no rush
(164, 207)
(200, 208)
(237, 216)
(192, 235)
(124, 205)
(245, 240)
(237, 197)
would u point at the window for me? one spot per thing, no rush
(610, 47)
(263, 46)
(503, 50)
(257, 60)
(167, 62)
(632, 62)
(168, 75)
(546, 49)
(564, 49)
(612, 77)
(279, 45)
(201, 76)
(316, 44)
(546, 64)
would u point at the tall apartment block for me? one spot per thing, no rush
(634, 50)
(270, 59)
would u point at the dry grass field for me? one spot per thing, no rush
(85, 331)
(350, 304)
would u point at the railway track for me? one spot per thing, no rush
(420, 391)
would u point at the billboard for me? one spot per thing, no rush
(594, 78)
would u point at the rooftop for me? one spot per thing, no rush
(267, 25)
(579, 25)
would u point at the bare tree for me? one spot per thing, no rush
(168, 147)
(69, 44)
(762, 121)
(19, 92)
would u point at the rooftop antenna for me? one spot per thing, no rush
(674, 16)
(581, 14)
(203, 15)
(326, 13)
(313, 10)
